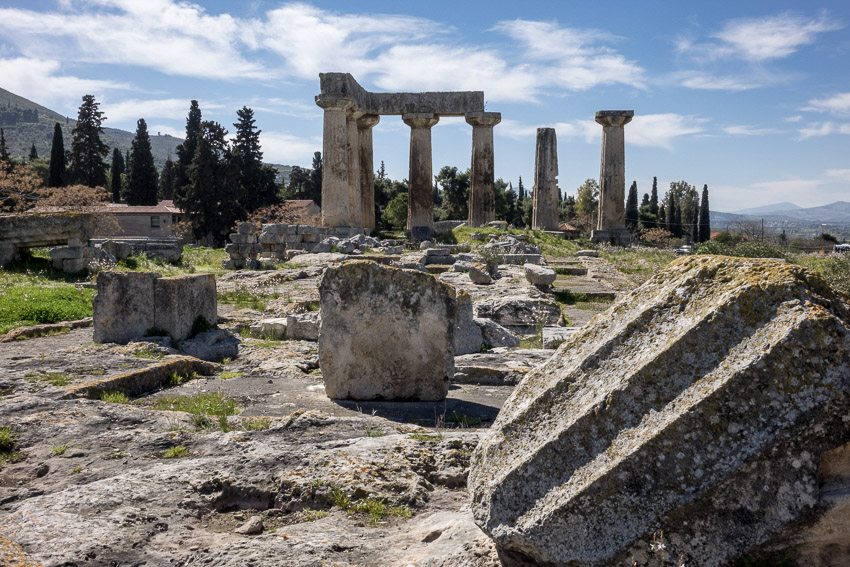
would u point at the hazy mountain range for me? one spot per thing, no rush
(837, 212)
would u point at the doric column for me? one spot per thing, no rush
(544, 214)
(420, 199)
(482, 202)
(367, 168)
(355, 200)
(611, 224)
(335, 189)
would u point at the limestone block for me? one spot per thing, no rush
(66, 253)
(74, 265)
(553, 337)
(239, 238)
(385, 333)
(8, 252)
(303, 326)
(707, 404)
(322, 247)
(291, 229)
(588, 253)
(539, 275)
(520, 259)
(124, 306)
(180, 300)
(437, 251)
(272, 328)
(461, 266)
(426, 245)
(468, 337)
(519, 310)
(271, 238)
(120, 250)
(478, 274)
(394, 250)
(495, 335)
(245, 228)
(309, 236)
(165, 251)
(214, 345)
(307, 229)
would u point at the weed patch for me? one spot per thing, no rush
(426, 438)
(59, 450)
(149, 352)
(42, 302)
(376, 508)
(175, 452)
(229, 375)
(52, 378)
(8, 440)
(255, 423)
(115, 398)
(247, 300)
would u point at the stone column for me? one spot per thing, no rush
(544, 215)
(335, 197)
(420, 199)
(355, 200)
(611, 223)
(367, 168)
(482, 202)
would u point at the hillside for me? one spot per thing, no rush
(25, 123)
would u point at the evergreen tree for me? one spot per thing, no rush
(315, 187)
(694, 222)
(167, 178)
(33, 153)
(186, 150)
(141, 173)
(299, 180)
(87, 149)
(521, 190)
(6, 163)
(653, 202)
(704, 217)
(662, 216)
(511, 203)
(257, 186)
(117, 169)
(632, 208)
(56, 176)
(587, 204)
(455, 186)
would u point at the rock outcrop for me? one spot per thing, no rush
(702, 404)
(385, 333)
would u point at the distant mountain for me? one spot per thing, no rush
(837, 212)
(784, 206)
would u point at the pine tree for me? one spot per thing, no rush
(87, 149)
(56, 176)
(256, 182)
(6, 163)
(141, 173)
(662, 216)
(315, 187)
(186, 150)
(33, 153)
(694, 225)
(520, 190)
(632, 208)
(704, 217)
(653, 201)
(167, 178)
(117, 169)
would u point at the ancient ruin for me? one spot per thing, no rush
(611, 221)
(545, 205)
(350, 114)
(704, 404)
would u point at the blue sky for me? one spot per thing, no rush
(751, 98)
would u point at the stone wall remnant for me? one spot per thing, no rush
(20, 232)
(702, 404)
(545, 204)
(611, 219)
(385, 333)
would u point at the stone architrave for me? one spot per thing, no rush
(482, 202)
(385, 333)
(367, 168)
(336, 206)
(611, 221)
(355, 200)
(420, 199)
(545, 203)
(710, 403)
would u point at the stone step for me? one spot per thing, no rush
(592, 292)
(569, 270)
(436, 269)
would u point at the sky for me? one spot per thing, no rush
(750, 98)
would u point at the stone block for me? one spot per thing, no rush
(271, 238)
(74, 265)
(478, 274)
(587, 253)
(309, 237)
(553, 337)
(181, 300)
(468, 337)
(239, 238)
(214, 345)
(710, 403)
(495, 335)
(519, 311)
(72, 242)
(66, 253)
(303, 326)
(539, 275)
(167, 251)
(273, 328)
(124, 306)
(520, 259)
(245, 228)
(8, 252)
(385, 333)
(120, 250)
(437, 251)
(307, 229)
(291, 229)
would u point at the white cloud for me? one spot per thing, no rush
(838, 104)
(166, 130)
(795, 118)
(743, 130)
(706, 81)
(282, 147)
(774, 37)
(174, 38)
(133, 109)
(662, 130)
(40, 79)
(822, 129)
(838, 174)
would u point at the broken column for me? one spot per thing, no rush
(711, 403)
(545, 204)
(420, 199)
(367, 168)
(336, 207)
(611, 221)
(385, 333)
(482, 202)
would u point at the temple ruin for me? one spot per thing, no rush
(611, 222)
(546, 192)
(347, 184)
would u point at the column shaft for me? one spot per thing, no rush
(367, 168)
(335, 182)
(611, 221)
(545, 201)
(482, 201)
(420, 199)
(355, 200)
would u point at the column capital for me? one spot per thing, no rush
(368, 121)
(487, 119)
(420, 119)
(614, 117)
(334, 102)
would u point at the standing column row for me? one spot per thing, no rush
(336, 207)
(420, 198)
(611, 221)
(482, 200)
(546, 192)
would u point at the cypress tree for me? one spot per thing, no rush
(56, 176)
(33, 153)
(694, 222)
(256, 182)
(632, 208)
(87, 149)
(117, 169)
(521, 190)
(653, 201)
(316, 174)
(167, 178)
(5, 159)
(186, 150)
(141, 175)
(704, 217)
(662, 216)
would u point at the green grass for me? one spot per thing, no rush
(228, 375)
(59, 450)
(550, 246)
(376, 508)
(213, 403)
(311, 515)
(373, 431)
(243, 299)
(194, 260)
(255, 423)
(8, 439)
(52, 378)
(465, 420)
(175, 452)
(426, 438)
(41, 302)
(835, 268)
(115, 398)
(569, 297)
(639, 263)
(148, 352)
